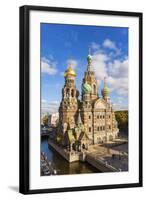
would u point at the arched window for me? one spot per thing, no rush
(67, 93)
(94, 89)
(72, 92)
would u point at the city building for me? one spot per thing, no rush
(53, 119)
(89, 120)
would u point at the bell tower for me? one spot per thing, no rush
(69, 104)
(90, 79)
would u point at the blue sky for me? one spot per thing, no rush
(61, 44)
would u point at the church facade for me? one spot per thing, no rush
(89, 120)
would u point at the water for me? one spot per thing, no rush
(61, 165)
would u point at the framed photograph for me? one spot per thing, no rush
(80, 99)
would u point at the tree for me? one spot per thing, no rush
(45, 120)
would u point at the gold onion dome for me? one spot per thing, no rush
(70, 71)
(86, 88)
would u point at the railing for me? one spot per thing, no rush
(99, 161)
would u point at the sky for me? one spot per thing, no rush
(62, 44)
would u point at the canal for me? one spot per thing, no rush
(61, 165)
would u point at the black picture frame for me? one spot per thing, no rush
(24, 98)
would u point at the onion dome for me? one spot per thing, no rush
(105, 90)
(89, 60)
(86, 88)
(89, 57)
(70, 71)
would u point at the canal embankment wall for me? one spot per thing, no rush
(70, 157)
(98, 163)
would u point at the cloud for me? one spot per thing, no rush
(119, 68)
(94, 46)
(49, 106)
(107, 43)
(73, 62)
(120, 106)
(106, 64)
(99, 65)
(119, 85)
(48, 66)
(120, 103)
(118, 76)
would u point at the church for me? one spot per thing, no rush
(89, 120)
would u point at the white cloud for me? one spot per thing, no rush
(120, 103)
(120, 107)
(118, 76)
(49, 107)
(99, 65)
(118, 68)
(119, 85)
(109, 44)
(116, 72)
(94, 46)
(48, 66)
(73, 62)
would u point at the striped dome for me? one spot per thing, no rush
(105, 91)
(86, 88)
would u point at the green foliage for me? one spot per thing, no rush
(122, 119)
(45, 120)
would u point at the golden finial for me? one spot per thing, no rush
(69, 65)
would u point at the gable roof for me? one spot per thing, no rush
(70, 135)
(82, 135)
(100, 104)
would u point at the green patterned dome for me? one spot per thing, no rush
(86, 88)
(105, 91)
(89, 58)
